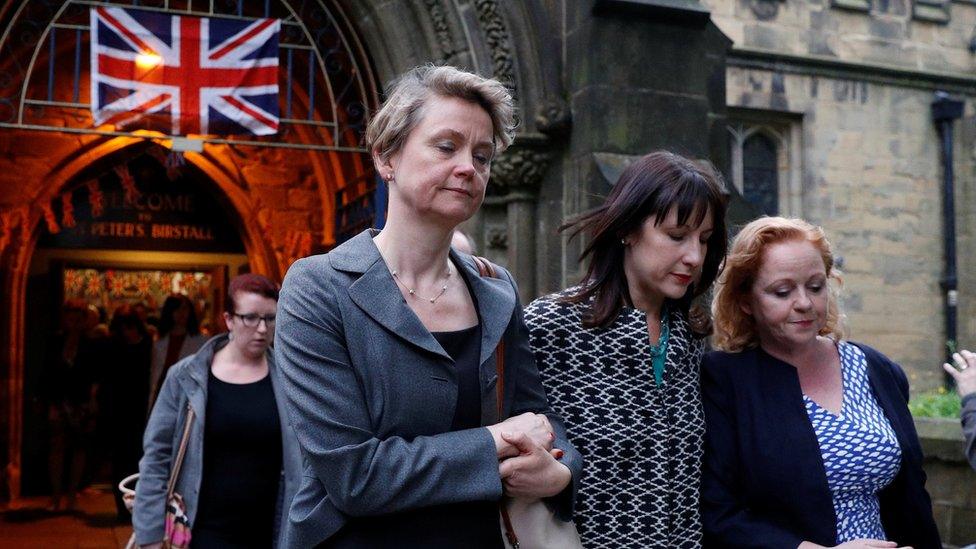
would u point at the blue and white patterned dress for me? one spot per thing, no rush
(859, 449)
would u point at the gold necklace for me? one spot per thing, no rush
(414, 293)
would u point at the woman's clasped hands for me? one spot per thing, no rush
(529, 465)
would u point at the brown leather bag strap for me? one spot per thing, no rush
(487, 270)
(180, 454)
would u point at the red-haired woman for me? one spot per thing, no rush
(242, 460)
(809, 442)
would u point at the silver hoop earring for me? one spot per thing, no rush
(230, 336)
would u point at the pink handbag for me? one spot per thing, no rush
(177, 534)
(177, 524)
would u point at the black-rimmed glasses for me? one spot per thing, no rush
(253, 319)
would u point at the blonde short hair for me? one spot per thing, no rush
(734, 329)
(401, 112)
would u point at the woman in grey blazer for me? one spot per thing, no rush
(387, 347)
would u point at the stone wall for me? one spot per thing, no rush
(859, 78)
(284, 196)
(638, 79)
(871, 175)
(951, 482)
(900, 33)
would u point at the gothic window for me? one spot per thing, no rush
(760, 174)
(765, 154)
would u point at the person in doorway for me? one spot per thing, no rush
(142, 311)
(387, 346)
(95, 326)
(963, 372)
(242, 463)
(809, 441)
(123, 393)
(619, 354)
(179, 337)
(69, 387)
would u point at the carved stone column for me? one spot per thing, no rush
(516, 176)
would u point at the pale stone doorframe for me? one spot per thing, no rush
(787, 134)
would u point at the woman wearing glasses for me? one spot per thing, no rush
(242, 460)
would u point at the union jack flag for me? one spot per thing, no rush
(181, 74)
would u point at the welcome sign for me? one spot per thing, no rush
(159, 214)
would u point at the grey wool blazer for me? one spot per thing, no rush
(186, 384)
(372, 394)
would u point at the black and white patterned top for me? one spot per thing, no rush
(860, 451)
(642, 444)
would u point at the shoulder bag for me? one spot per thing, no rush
(526, 523)
(177, 535)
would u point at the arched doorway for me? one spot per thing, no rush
(280, 197)
(128, 233)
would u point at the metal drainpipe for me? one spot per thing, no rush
(945, 111)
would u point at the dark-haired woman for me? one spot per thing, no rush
(179, 337)
(620, 359)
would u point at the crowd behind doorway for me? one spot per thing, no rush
(99, 376)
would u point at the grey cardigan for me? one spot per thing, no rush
(186, 383)
(969, 426)
(372, 394)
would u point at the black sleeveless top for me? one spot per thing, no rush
(241, 466)
(472, 524)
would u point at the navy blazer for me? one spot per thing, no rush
(764, 484)
(372, 393)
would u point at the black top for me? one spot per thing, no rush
(125, 388)
(471, 524)
(463, 347)
(70, 383)
(241, 466)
